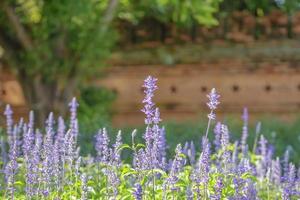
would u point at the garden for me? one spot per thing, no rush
(46, 163)
(149, 100)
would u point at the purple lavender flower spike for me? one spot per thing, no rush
(150, 86)
(31, 120)
(291, 175)
(286, 159)
(245, 131)
(148, 136)
(217, 139)
(162, 145)
(116, 157)
(84, 188)
(189, 193)
(50, 123)
(200, 173)
(28, 146)
(213, 97)
(60, 136)
(224, 136)
(235, 153)
(102, 146)
(263, 164)
(298, 175)
(276, 172)
(156, 118)
(73, 108)
(285, 194)
(245, 116)
(218, 189)
(9, 122)
(73, 105)
(185, 148)
(176, 168)
(11, 170)
(113, 180)
(33, 169)
(224, 143)
(48, 160)
(192, 153)
(3, 151)
(138, 192)
(141, 161)
(251, 192)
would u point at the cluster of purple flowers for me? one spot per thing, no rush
(49, 163)
(44, 157)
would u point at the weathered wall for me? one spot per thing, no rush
(266, 79)
(183, 88)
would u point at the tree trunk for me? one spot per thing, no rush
(44, 98)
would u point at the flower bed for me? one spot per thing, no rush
(45, 164)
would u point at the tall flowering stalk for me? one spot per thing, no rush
(73, 105)
(152, 130)
(34, 173)
(218, 189)
(225, 158)
(84, 189)
(149, 106)
(245, 118)
(11, 169)
(9, 123)
(177, 165)
(200, 174)
(213, 97)
(217, 138)
(263, 162)
(102, 146)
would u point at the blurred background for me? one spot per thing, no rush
(101, 50)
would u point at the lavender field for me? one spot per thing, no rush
(46, 163)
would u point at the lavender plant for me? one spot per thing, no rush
(45, 164)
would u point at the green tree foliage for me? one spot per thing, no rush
(54, 45)
(180, 12)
